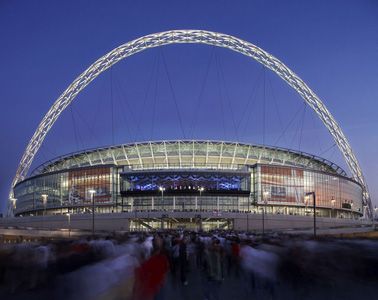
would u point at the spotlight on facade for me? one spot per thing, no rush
(92, 192)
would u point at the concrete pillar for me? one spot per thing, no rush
(196, 202)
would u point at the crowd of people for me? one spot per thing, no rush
(188, 265)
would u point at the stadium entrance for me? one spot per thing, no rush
(195, 224)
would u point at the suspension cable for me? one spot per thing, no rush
(111, 103)
(173, 93)
(125, 111)
(251, 100)
(288, 125)
(227, 96)
(45, 157)
(327, 149)
(276, 105)
(50, 151)
(90, 129)
(74, 127)
(330, 157)
(264, 104)
(91, 125)
(303, 120)
(198, 104)
(155, 99)
(297, 130)
(316, 133)
(149, 84)
(221, 98)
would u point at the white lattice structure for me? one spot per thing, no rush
(190, 37)
(188, 154)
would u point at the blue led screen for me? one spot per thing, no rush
(185, 181)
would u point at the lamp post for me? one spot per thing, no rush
(265, 195)
(13, 200)
(314, 206)
(201, 189)
(333, 202)
(44, 201)
(92, 193)
(69, 224)
(306, 204)
(162, 189)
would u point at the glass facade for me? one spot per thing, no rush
(280, 189)
(83, 181)
(281, 184)
(63, 191)
(187, 203)
(289, 185)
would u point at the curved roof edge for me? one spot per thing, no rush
(44, 168)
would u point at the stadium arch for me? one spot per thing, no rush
(192, 37)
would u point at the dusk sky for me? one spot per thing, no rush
(214, 93)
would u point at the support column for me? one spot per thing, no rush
(196, 203)
(174, 202)
(152, 203)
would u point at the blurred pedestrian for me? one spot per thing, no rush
(214, 263)
(150, 276)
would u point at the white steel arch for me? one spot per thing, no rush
(190, 37)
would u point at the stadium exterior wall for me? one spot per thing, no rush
(189, 177)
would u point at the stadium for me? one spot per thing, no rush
(191, 177)
(197, 184)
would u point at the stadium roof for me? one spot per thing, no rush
(188, 154)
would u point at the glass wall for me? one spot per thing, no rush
(186, 203)
(42, 192)
(281, 184)
(281, 189)
(66, 189)
(83, 182)
(288, 185)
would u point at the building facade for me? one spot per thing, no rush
(189, 176)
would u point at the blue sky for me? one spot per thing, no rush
(331, 45)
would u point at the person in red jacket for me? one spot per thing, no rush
(150, 276)
(235, 256)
